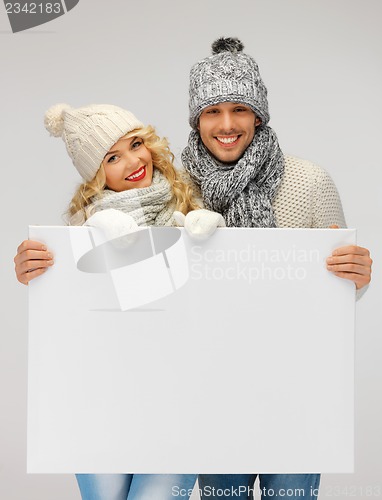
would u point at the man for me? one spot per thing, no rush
(234, 158)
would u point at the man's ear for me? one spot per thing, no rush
(257, 121)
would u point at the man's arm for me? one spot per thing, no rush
(350, 262)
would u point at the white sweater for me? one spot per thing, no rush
(307, 197)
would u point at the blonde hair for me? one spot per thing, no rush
(79, 208)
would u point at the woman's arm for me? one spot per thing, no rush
(32, 260)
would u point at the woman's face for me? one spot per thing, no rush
(128, 165)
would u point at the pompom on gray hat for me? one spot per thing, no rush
(228, 75)
(89, 132)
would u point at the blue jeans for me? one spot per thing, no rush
(240, 486)
(135, 486)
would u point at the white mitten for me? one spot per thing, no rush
(115, 224)
(200, 224)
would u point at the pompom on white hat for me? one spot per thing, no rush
(89, 132)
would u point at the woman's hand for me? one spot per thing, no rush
(32, 260)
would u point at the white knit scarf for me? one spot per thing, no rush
(243, 193)
(149, 206)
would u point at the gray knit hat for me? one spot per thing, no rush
(89, 132)
(227, 76)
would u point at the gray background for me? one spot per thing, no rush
(321, 62)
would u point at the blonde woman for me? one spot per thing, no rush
(129, 181)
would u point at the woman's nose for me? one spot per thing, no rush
(132, 160)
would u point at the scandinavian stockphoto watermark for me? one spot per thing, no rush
(252, 263)
(25, 15)
(149, 263)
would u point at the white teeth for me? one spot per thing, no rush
(140, 172)
(227, 140)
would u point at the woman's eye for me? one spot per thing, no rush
(136, 144)
(112, 159)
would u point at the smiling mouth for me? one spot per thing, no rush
(228, 141)
(137, 175)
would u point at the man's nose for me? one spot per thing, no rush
(227, 122)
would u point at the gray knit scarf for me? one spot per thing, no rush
(149, 206)
(243, 193)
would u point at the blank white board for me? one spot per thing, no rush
(160, 354)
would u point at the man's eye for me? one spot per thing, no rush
(211, 111)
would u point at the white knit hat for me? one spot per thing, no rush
(89, 132)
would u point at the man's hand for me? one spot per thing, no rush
(351, 263)
(32, 260)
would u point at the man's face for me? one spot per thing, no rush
(227, 129)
